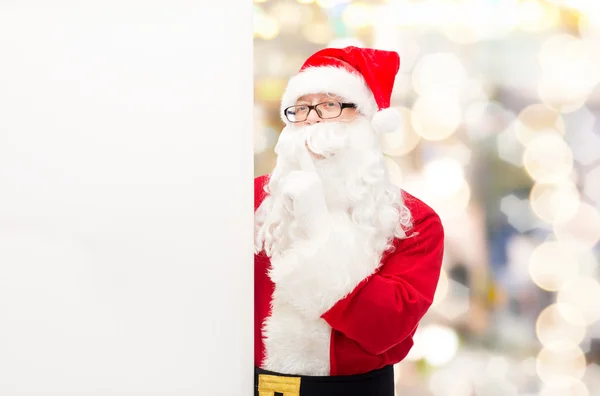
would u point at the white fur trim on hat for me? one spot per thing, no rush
(333, 80)
(387, 120)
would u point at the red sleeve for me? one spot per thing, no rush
(385, 309)
(259, 190)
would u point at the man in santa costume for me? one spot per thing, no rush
(346, 263)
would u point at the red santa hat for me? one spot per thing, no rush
(363, 76)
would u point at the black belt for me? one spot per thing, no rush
(374, 383)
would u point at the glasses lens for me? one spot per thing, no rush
(296, 113)
(329, 109)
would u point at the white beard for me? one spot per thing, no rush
(313, 267)
(355, 181)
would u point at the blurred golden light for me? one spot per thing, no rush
(318, 32)
(554, 202)
(582, 230)
(486, 118)
(565, 387)
(551, 54)
(260, 142)
(536, 119)
(462, 33)
(536, 15)
(358, 15)
(402, 141)
(583, 6)
(342, 42)
(439, 72)
(448, 381)
(552, 265)
(560, 359)
(551, 326)
(569, 71)
(571, 314)
(417, 351)
(474, 90)
(445, 176)
(547, 158)
(589, 25)
(591, 184)
(460, 152)
(394, 171)
(330, 3)
(451, 206)
(564, 96)
(470, 21)
(442, 289)
(439, 344)
(583, 294)
(266, 27)
(434, 188)
(269, 89)
(305, 1)
(436, 116)
(290, 15)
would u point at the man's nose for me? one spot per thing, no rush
(313, 117)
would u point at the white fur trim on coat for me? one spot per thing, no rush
(294, 344)
(333, 80)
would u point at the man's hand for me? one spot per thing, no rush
(304, 198)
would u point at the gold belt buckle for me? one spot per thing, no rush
(269, 384)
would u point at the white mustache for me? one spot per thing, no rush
(326, 140)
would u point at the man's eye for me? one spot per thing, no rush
(301, 108)
(331, 104)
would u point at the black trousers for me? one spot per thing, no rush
(375, 383)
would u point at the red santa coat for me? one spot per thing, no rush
(373, 325)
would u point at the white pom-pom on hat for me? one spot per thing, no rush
(387, 120)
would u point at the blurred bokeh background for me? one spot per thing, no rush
(501, 136)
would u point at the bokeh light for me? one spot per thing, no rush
(402, 141)
(556, 323)
(439, 72)
(445, 176)
(436, 116)
(552, 265)
(592, 184)
(358, 15)
(537, 15)
(565, 387)
(438, 344)
(582, 230)
(554, 202)
(266, 27)
(568, 72)
(583, 294)
(537, 119)
(548, 158)
(559, 360)
(394, 170)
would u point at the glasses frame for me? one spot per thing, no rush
(343, 105)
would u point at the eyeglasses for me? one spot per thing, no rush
(325, 110)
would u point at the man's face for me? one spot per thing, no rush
(329, 108)
(329, 103)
